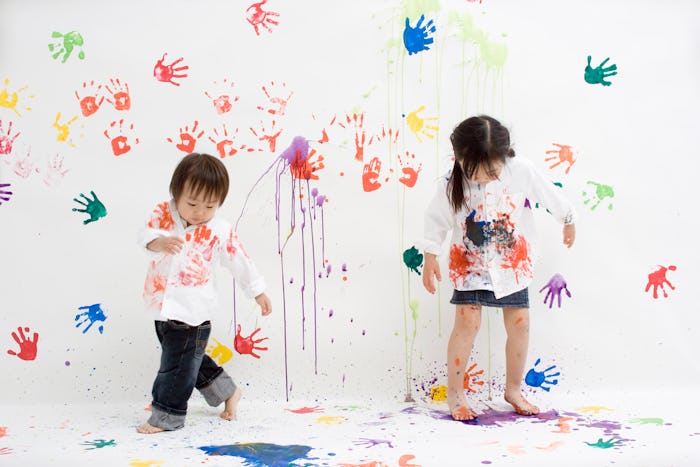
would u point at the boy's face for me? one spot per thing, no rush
(195, 210)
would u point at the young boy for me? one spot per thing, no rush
(185, 239)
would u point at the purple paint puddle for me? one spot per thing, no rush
(261, 454)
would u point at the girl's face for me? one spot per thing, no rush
(195, 210)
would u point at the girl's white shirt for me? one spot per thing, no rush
(182, 287)
(493, 234)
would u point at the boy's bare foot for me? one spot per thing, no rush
(459, 409)
(148, 429)
(231, 406)
(521, 405)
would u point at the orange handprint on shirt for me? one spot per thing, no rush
(247, 345)
(370, 175)
(162, 218)
(563, 154)
(196, 273)
(278, 104)
(120, 143)
(410, 173)
(188, 140)
(119, 94)
(89, 104)
(418, 125)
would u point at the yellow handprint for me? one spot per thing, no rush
(418, 125)
(10, 99)
(63, 129)
(219, 352)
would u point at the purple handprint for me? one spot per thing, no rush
(555, 285)
(93, 314)
(4, 195)
(417, 39)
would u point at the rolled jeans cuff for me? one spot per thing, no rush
(164, 420)
(220, 389)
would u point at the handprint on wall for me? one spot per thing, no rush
(166, 73)
(247, 345)
(223, 102)
(93, 207)
(118, 134)
(63, 129)
(370, 175)
(257, 17)
(11, 99)
(275, 96)
(4, 194)
(601, 193)
(92, 314)
(64, 44)
(413, 259)
(409, 172)
(542, 379)
(54, 171)
(7, 139)
(188, 139)
(27, 346)
(225, 142)
(89, 99)
(563, 155)
(554, 287)
(657, 279)
(598, 74)
(219, 352)
(119, 95)
(416, 39)
(268, 135)
(418, 125)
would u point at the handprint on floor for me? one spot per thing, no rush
(27, 347)
(658, 279)
(10, 99)
(277, 103)
(258, 17)
(417, 39)
(188, 140)
(118, 133)
(554, 287)
(64, 44)
(4, 194)
(472, 377)
(92, 315)
(99, 444)
(610, 443)
(601, 193)
(370, 442)
(409, 172)
(63, 128)
(268, 135)
(563, 154)
(7, 139)
(119, 95)
(418, 125)
(93, 207)
(223, 102)
(413, 259)
(89, 102)
(541, 379)
(370, 175)
(219, 352)
(246, 345)
(598, 74)
(166, 73)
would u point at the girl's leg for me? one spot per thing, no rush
(517, 323)
(467, 324)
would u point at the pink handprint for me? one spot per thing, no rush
(257, 17)
(247, 345)
(7, 139)
(410, 173)
(563, 154)
(90, 104)
(278, 104)
(55, 171)
(120, 143)
(268, 135)
(370, 175)
(187, 140)
(119, 94)
(166, 73)
(658, 279)
(222, 103)
(23, 167)
(27, 347)
(555, 285)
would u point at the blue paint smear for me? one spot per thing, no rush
(262, 454)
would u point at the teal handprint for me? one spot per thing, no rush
(99, 443)
(413, 259)
(611, 443)
(93, 207)
(598, 74)
(601, 193)
(65, 46)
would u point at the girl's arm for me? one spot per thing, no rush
(552, 198)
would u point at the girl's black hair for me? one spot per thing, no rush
(477, 142)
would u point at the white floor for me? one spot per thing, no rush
(619, 430)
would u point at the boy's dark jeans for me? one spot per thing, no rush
(184, 366)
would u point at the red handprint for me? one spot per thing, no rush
(187, 140)
(89, 104)
(410, 173)
(120, 98)
(27, 347)
(268, 135)
(357, 121)
(303, 168)
(278, 105)
(370, 175)
(222, 103)
(224, 143)
(8, 139)
(120, 143)
(658, 279)
(257, 17)
(563, 154)
(166, 73)
(246, 345)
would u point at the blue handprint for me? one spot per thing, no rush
(93, 207)
(555, 285)
(540, 379)
(93, 314)
(597, 75)
(417, 39)
(475, 231)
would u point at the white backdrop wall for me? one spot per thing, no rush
(350, 320)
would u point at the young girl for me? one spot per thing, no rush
(186, 239)
(485, 200)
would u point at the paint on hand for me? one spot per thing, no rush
(413, 259)
(92, 207)
(65, 44)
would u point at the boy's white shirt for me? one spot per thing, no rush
(182, 287)
(492, 266)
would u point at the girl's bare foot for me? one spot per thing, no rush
(231, 406)
(521, 405)
(148, 429)
(459, 409)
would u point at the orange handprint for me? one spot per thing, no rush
(268, 135)
(187, 140)
(278, 105)
(89, 104)
(303, 168)
(370, 175)
(563, 154)
(120, 98)
(224, 142)
(410, 173)
(120, 143)
(471, 378)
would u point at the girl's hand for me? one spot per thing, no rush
(569, 234)
(265, 304)
(167, 245)
(431, 268)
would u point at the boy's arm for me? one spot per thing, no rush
(236, 260)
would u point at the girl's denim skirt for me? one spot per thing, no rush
(519, 299)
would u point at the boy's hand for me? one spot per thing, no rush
(265, 305)
(569, 234)
(167, 245)
(431, 268)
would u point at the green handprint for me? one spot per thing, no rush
(598, 74)
(99, 443)
(601, 192)
(93, 207)
(611, 443)
(66, 46)
(648, 421)
(413, 259)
